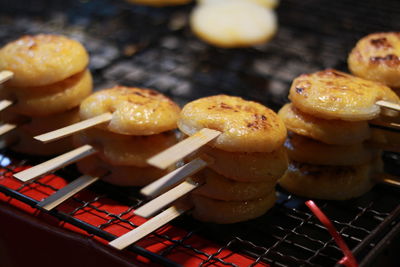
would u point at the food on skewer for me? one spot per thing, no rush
(246, 126)
(134, 111)
(331, 182)
(329, 104)
(335, 132)
(251, 133)
(331, 94)
(140, 126)
(42, 59)
(308, 150)
(50, 79)
(49, 99)
(224, 212)
(376, 57)
(236, 23)
(247, 167)
(218, 187)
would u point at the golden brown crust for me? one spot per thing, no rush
(376, 57)
(331, 94)
(335, 132)
(53, 98)
(125, 150)
(219, 187)
(135, 111)
(306, 150)
(42, 59)
(248, 167)
(330, 182)
(246, 126)
(224, 212)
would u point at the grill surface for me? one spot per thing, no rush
(148, 47)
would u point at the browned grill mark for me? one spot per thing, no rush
(381, 43)
(390, 60)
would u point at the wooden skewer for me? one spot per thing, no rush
(148, 227)
(174, 177)
(67, 192)
(56, 163)
(389, 105)
(184, 148)
(5, 128)
(390, 181)
(167, 198)
(5, 104)
(5, 75)
(76, 127)
(390, 126)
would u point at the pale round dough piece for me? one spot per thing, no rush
(246, 126)
(248, 167)
(51, 99)
(233, 23)
(331, 94)
(159, 3)
(134, 111)
(376, 57)
(42, 59)
(120, 175)
(125, 150)
(24, 134)
(334, 132)
(224, 212)
(306, 150)
(330, 182)
(266, 3)
(219, 187)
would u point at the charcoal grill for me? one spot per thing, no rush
(148, 47)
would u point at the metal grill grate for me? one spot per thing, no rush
(154, 48)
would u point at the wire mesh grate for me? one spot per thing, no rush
(164, 55)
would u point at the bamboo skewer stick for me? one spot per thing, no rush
(5, 75)
(7, 127)
(148, 227)
(76, 127)
(56, 163)
(67, 192)
(390, 126)
(167, 198)
(183, 148)
(389, 105)
(174, 177)
(5, 104)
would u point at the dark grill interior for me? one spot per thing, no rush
(148, 47)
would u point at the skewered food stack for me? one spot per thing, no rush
(329, 134)
(248, 157)
(234, 23)
(50, 79)
(376, 57)
(142, 124)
